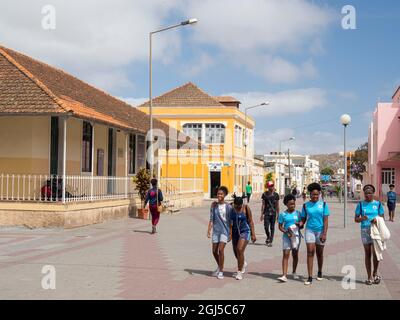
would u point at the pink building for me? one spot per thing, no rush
(384, 146)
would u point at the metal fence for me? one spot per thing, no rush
(48, 188)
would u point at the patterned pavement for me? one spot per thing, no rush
(120, 259)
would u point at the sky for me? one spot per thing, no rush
(293, 53)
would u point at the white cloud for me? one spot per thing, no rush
(198, 65)
(250, 32)
(95, 37)
(283, 102)
(91, 36)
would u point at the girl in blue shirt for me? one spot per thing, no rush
(289, 221)
(315, 215)
(366, 212)
(391, 202)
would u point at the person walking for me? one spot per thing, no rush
(289, 222)
(269, 210)
(304, 194)
(154, 197)
(249, 191)
(242, 232)
(220, 226)
(365, 213)
(391, 202)
(314, 216)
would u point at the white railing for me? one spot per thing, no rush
(48, 188)
(181, 185)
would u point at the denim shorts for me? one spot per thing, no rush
(366, 236)
(287, 243)
(313, 237)
(219, 237)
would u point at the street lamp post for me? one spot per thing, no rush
(183, 23)
(245, 138)
(280, 153)
(345, 119)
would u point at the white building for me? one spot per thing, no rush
(297, 172)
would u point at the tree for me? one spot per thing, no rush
(357, 166)
(269, 177)
(142, 183)
(327, 171)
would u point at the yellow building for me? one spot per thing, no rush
(216, 122)
(68, 151)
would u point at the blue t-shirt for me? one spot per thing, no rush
(391, 196)
(289, 219)
(315, 213)
(371, 210)
(239, 223)
(220, 216)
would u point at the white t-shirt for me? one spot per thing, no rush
(222, 211)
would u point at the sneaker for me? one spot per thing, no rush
(215, 273)
(377, 279)
(244, 267)
(269, 244)
(239, 276)
(319, 276)
(220, 275)
(308, 281)
(282, 279)
(295, 276)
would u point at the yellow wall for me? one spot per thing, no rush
(229, 116)
(24, 145)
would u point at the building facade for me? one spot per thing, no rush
(292, 170)
(384, 146)
(68, 151)
(227, 155)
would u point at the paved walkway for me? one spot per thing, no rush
(121, 260)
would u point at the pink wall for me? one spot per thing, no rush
(384, 137)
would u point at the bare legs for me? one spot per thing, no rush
(285, 260)
(311, 249)
(369, 253)
(218, 253)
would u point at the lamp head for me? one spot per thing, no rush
(190, 21)
(345, 119)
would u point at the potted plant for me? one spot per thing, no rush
(142, 183)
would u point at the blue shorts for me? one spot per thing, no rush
(287, 243)
(313, 237)
(366, 236)
(391, 205)
(236, 237)
(219, 237)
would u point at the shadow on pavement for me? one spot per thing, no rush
(142, 231)
(275, 276)
(207, 273)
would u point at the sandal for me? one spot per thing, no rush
(377, 279)
(368, 282)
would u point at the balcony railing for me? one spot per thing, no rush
(49, 188)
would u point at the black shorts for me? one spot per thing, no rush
(391, 206)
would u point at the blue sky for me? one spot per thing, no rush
(294, 54)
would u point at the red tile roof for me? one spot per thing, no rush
(31, 87)
(188, 95)
(226, 99)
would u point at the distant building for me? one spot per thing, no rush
(384, 146)
(297, 172)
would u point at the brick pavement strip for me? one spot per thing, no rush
(120, 259)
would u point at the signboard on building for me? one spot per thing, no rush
(215, 166)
